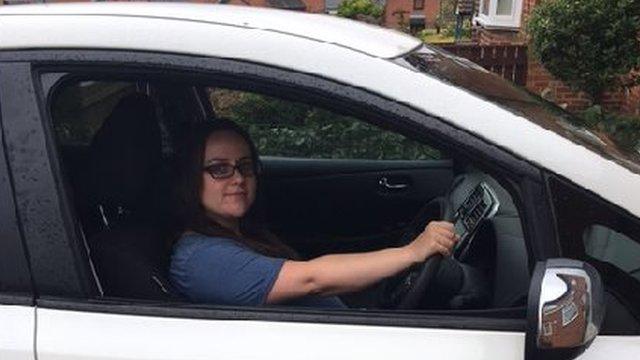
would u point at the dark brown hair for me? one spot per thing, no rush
(190, 215)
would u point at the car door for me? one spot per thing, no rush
(17, 311)
(354, 202)
(76, 320)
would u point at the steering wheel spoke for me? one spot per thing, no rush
(407, 289)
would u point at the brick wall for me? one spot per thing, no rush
(431, 9)
(540, 82)
(631, 102)
(314, 6)
(499, 37)
(527, 7)
(396, 10)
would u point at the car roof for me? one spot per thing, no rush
(342, 50)
(372, 40)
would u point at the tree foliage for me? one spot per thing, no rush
(624, 130)
(285, 128)
(588, 44)
(355, 9)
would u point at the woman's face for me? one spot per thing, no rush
(226, 200)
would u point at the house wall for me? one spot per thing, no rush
(431, 9)
(541, 82)
(631, 103)
(527, 7)
(314, 6)
(398, 11)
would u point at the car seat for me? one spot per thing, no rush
(127, 203)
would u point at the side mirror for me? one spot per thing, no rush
(565, 309)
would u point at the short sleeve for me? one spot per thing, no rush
(220, 271)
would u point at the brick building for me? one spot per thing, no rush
(501, 22)
(411, 14)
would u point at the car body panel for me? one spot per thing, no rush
(372, 40)
(332, 60)
(340, 206)
(17, 332)
(613, 347)
(100, 336)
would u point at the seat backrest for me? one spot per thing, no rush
(125, 160)
(131, 263)
(125, 187)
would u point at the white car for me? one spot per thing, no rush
(365, 135)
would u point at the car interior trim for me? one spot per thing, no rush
(16, 299)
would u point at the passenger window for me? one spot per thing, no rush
(292, 129)
(613, 247)
(589, 227)
(597, 232)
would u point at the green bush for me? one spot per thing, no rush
(352, 8)
(624, 130)
(588, 44)
(446, 18)
(284, 128)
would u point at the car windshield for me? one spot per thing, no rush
(463, 73)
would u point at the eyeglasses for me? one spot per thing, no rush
(246, 168)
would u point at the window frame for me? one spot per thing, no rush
(15, 276)
(495, 21)
(418, 4)
(45, 219)
(524, 179)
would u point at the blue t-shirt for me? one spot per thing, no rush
(222, 271)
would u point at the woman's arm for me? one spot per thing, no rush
(343, 273)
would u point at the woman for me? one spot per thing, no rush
(222, 256)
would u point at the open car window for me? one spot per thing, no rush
(613, 247)
(293, 129)
(333, 182)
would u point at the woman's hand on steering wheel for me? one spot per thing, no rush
(438, 237)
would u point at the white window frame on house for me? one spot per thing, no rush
(494, 21)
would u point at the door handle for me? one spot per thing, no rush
(384, 182)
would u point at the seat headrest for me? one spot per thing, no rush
(125, 157)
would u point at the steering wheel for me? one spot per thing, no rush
(406, 290)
